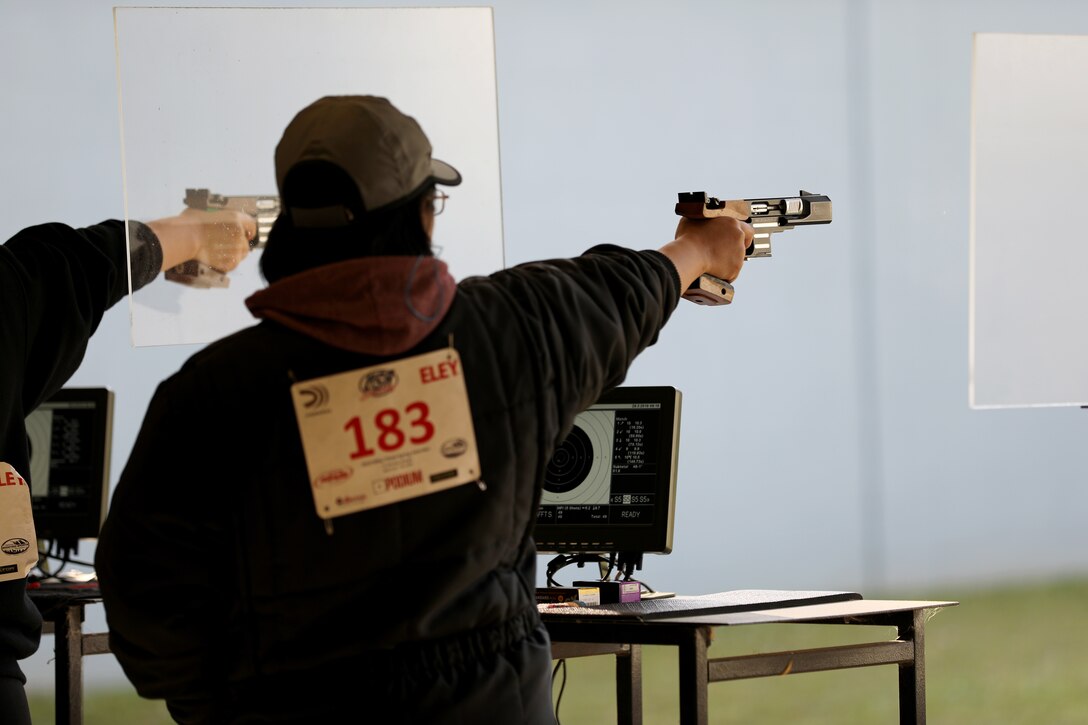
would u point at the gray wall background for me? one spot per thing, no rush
(827, 439)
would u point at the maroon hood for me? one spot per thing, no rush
(370, 305)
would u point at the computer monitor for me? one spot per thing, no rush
(610, 487)
(69, 437)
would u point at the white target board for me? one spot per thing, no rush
(1029, 250)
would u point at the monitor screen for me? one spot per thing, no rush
(611, 485)
(69, 437)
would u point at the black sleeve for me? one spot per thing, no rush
(62, 281)
(145, 254)
(589, 317)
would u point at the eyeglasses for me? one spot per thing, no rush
(438, 202)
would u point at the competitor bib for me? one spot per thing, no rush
(386, 433)
(18, 545)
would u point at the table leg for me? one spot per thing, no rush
(912, 676)
(629, 686)
(69, 667)
(694, 676)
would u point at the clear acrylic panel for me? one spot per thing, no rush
(1029, 243)
(205, 94)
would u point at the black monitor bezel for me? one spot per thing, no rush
(70, 528)
(605, 538)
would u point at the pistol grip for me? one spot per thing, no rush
(197, 274)
(709, 290)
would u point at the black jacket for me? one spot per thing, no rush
(55, 284)
(223, 590)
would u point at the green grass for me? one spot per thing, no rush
(116, 706)
(1003, 656)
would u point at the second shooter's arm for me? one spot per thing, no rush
(768, 216)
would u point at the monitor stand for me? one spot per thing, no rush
(624, 563)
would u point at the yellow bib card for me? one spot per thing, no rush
(18, 546)
(386, 433)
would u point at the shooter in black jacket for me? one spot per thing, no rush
(55, 284)
(280, 576)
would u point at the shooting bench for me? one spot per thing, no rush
(577, 636)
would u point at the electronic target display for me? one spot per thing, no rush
(610, 485)
(69, 438)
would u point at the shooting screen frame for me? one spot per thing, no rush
(583, 476)
(70, 437)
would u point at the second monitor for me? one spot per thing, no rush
(69, 437)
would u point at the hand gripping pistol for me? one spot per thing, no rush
(264, 209)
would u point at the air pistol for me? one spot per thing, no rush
(768, 216)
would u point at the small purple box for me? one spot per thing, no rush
(630, 591)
